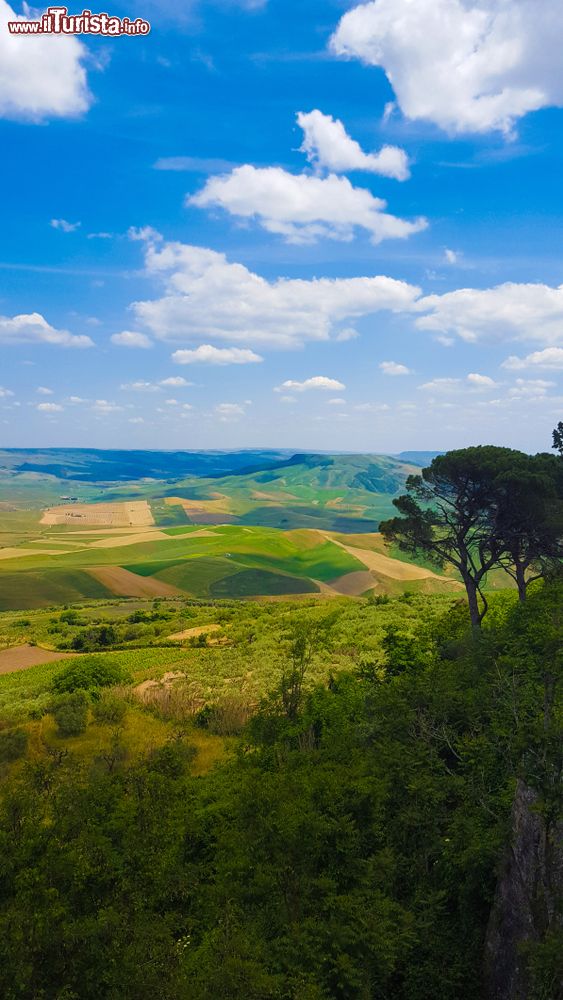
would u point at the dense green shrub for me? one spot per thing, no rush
(13, 745)
(109, 710)
(71, 713)
(88, 674)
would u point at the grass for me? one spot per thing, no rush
(257, 582)
(43, 588)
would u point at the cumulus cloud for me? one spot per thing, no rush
(441, 385)
(394, 368)
(41, 77)
(5, 393)
(208, 355)
(229, 411)
(33, 328)
(481, 381)
(175, 382)
(551, 357)
(139, 386)
(466, 66)
(301, 208)
(507, 312)
(104, 406)
(530, 388)
(451, 256)
(472, 381)
(43, 390)
(50, 408)
(64, 226)
(208, 297)
(317, 382)
(129, 338)
(327, 144)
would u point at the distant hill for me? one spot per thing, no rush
(279, 489)
(90, 465)
(422, 458)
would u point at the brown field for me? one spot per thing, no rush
(193, 508)
(123, 583)
(23, 657)
(354, 584)
(135, 513)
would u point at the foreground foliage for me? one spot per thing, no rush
(348, 849)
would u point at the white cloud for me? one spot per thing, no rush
(41, 77)
(207, 297)
(34, 329)
(229, 411)
(63, 225)
(42, 390)
(136, 420)
(131, 339)
(77, 399)
(451, 256)
(481, 381)
(551, 357)
(176, 382)
(317, 382)
(336, 402)
(530, 388)
(301, 208)
(139, 386)
(463, 65)
(171, 402)
(473, 382)
(394, 368)
(50, 407)
(510, 311)
(372, 407)
(349, 333)
(327, 144)
(208, 355)
(5, 393)
(99, 236)
(104, 406)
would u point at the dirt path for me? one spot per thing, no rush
(123, 583)
(23, 657)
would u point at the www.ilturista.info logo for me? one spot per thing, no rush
(58, 21)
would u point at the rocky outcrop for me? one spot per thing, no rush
(528, 898)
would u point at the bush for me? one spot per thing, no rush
(109, 710)
(13, 745)
(71, 714)
(88, 674)
(92, 639)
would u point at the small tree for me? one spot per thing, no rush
(449, 514)
(558, 438)
(71, 714)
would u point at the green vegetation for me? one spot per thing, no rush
(350, 848)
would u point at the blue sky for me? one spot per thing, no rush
(184, 264)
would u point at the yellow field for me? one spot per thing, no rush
(135, 513)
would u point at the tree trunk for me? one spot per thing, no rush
(521, 581)
(473, 600)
